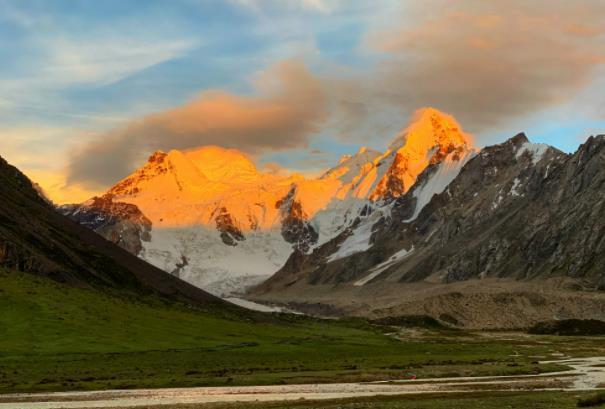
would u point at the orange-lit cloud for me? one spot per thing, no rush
(289, 107)
(55, 187)
(38, 152)
(488, 63)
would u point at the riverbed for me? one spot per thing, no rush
(585, 374)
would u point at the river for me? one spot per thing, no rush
(586, 374)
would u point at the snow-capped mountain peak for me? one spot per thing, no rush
(217, 221)
(222, 164)
(354, 166)
(429, 128)
(429, 139)
(164, 173)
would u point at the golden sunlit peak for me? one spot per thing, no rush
(430, 127)
(157, 156)
(222, 163)
(431, 137)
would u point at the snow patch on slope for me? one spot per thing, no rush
(536, 150)
(439, 180)
(516, 183)
(378, 269)
(359, 240)
(210, 264)
(250, 305)
(339, 215)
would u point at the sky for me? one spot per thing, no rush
(89, 89)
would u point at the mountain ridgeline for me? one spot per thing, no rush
(211, 217)
(512, 239)
(501, 237)
(515, 210)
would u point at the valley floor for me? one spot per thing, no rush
(486, 304)
(474, 400)
(586, 374)
(57, 338)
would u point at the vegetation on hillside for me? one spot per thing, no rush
(58, 337)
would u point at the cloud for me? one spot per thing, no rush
(287, 109)
(275, 168)
(56, 188)
(24, 146)
(106, 60)
(29, 148)
(324, 6)
(488, 63)
(59, 52)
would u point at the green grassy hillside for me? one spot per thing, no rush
(58, 337)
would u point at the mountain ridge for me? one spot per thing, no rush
(521, 222)
(216, 198)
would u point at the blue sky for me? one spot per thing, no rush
(79, 75)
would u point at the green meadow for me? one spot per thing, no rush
(54, 337)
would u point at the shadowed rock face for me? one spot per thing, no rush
(516, 211)
(121, 223)
(508, 215)
(295, 227)
(36, 239)
(230, 233)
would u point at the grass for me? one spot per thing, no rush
(569, 327)
(54, 337)
(597, 399)
(480, 400)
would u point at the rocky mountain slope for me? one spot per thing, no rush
(35, 239)
(519, 228)
(210, 217)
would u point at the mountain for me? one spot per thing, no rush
(35, 239)
(210, 217)
(81, 313)
(513, 237)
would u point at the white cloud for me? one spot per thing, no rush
(324, 6)
(60, 56)
(106, 60)
(97, 62)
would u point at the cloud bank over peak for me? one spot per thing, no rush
(492, 65)
(488, 63)
(287, 108)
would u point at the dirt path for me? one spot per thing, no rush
(587, 374)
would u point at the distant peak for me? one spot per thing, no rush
(363, 149)
(157, 156)
(344, 158)
(431, 137)
(519, 139)
(430, 126)
(431, 112)
(222, 164)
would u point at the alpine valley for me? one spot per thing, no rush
(499, 237)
